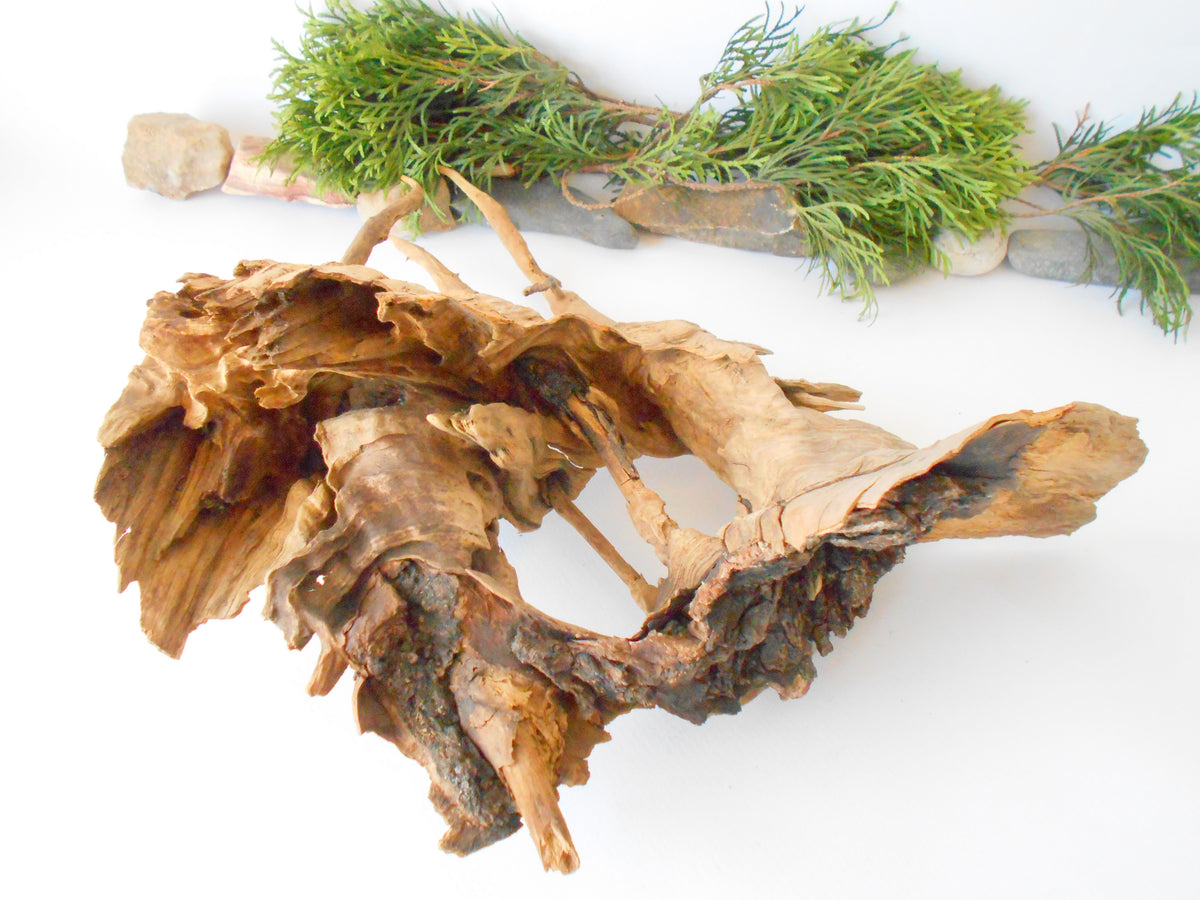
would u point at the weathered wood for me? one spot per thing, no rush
(353, 441)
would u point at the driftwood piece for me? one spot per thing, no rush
(352, 441)
(248, 176)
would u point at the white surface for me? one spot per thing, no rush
(1015, 718)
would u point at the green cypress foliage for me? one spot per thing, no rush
(878, 150)
(1123, 188)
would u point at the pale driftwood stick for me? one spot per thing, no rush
(643, 592)
(376, 229)
(248, 177)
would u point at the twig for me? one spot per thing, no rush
(643, 592)
(376, 229)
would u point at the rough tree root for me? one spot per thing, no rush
(352, 442)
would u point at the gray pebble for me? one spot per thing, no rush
(542, 207)
(1062, 256)
(745, 217)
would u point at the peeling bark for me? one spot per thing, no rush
(352, 442)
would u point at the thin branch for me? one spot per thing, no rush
(643, 592)
(376, 229)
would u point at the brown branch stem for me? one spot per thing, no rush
(376, 229)
(643, 592)
(562, 302)
(1098, 198)
(646, 507)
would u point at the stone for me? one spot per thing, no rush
(175, 154)
(969, 258)
(745, 217)
(281, 181)
(897, 269)
(435, 213)
(1062, 256)
(541, 207)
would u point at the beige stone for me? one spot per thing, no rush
(175, 154)
(967, 257)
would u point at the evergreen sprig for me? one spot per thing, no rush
(878, 150)
(1120, 189)
(402, 88)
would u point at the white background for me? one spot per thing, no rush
(1015, 718)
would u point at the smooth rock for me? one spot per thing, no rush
(746, 217)
(435, 213)
(1062, 256)
(248, 177)
(542, 207)
(175, 155)
(965, 257)
(897, 269)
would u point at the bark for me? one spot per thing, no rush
(352, 442)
